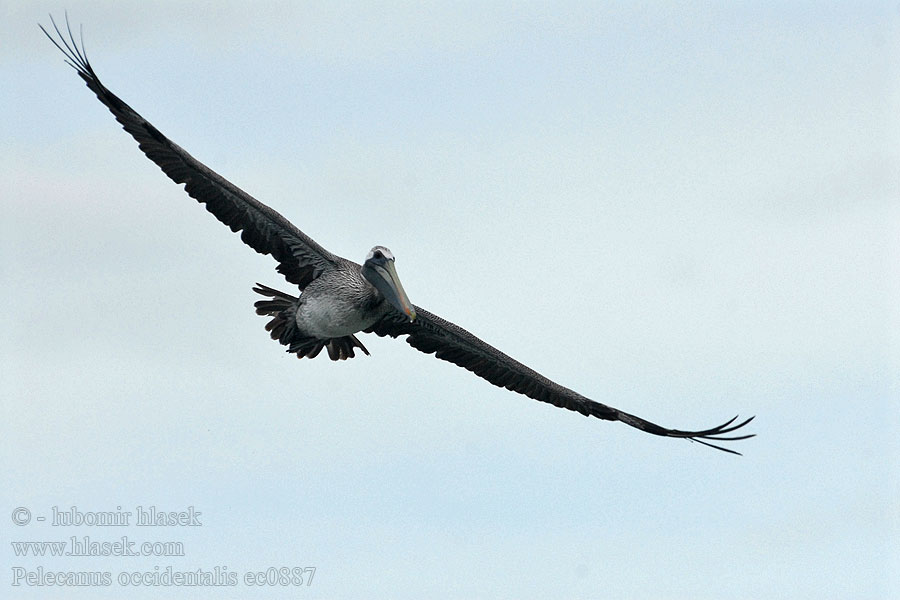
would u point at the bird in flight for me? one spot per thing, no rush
(340, 298)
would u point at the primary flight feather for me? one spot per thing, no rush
(339, 298)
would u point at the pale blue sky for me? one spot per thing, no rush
(685, 211)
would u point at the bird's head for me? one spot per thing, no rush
(379, 271)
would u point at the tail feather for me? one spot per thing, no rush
(282, 327)
(282, 307)
(342, 348)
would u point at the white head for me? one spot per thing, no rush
(379, 271)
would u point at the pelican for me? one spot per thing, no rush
(340, 298)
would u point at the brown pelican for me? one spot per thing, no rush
(339, 298)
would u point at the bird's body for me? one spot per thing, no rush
(339, 303)
(343, 300)
(339, 298)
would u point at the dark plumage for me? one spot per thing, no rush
(339, 297)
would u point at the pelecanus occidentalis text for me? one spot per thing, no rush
(340, 298)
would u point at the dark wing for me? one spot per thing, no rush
(300, 258)
(433, 335)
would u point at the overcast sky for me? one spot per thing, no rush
(684, 211)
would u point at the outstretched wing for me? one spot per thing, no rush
(433, 335)
(300, 259)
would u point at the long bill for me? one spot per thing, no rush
(388, 283)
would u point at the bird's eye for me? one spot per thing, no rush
(377, 255)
